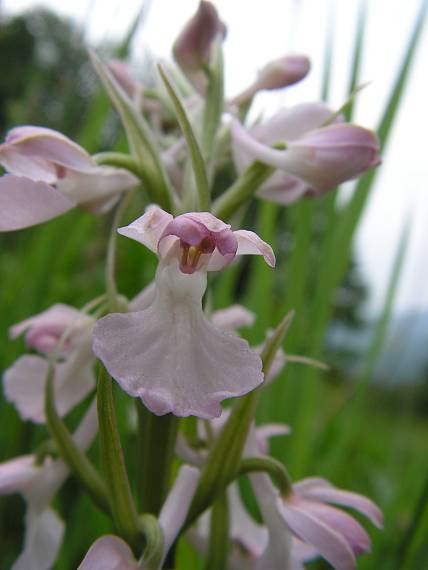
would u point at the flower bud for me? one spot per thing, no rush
(192, 48)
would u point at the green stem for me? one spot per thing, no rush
(156, 454)
(269, 465)
(244, 188)
(111, 288)
(69, 451)
(218, 548)
(121, 501)
(120, 160)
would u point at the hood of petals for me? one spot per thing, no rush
(109, 553)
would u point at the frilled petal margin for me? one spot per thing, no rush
(24, 202)
(25, 380)
(171, 356)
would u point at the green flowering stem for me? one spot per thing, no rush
(242, 190)
(224, 459)
(198, 163)
(69, 451)
(122, 503)
(275, 469)
(157, 436)
(153, 551)
(113, 298)
(214, 101)
(218, 547)
(119, 160)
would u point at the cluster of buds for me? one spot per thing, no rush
(164, 348)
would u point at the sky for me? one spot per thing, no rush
(262, 30)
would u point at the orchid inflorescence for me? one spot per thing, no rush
(165, 347)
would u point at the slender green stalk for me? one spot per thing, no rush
(214, 103)
(218, 547)
(199, 170)
(157, 436)
(121, 501)
(69, 451)
(275, 469)
(119, 160)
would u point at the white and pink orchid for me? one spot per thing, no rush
(170, 355)
(317, 155)
(112, 553)
(24, 381)
(49, 174)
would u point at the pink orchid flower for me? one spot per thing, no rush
(170, 355)
(316, 159)
(192, 48)
(49, 175)
(24, 381)
(112, 553)
(277, 74)
(38, 485)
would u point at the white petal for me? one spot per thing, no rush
(243, 529)
(25, 203)
(171, 356)
(109, 553)
(249, 243)
(43, 537)
(148, 228)
(24, 383)
(177, 504)
(18, 475)
(233, 318)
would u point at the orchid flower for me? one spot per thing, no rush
(24, 381)
(112, 553)
(316, 157)
(170, 355)
(49, 175)
(38, 484)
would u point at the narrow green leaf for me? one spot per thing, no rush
(69, 451)
(121, 501)
(140, 138)
(218, 546)
(356, 58)
(198, 163)
(214, 101)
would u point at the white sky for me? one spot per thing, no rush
(260, 30)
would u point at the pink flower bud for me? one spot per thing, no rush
(283, 72)
(192, 48)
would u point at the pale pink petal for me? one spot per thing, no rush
(98, 189)
(345, 498)
(249, 243)
(18, 475)
(342, 523)
(329, 543)
(144, 298)
(177, 504)
(148, 228)
(24, 383)
(48, 145)
(281, 188)
(25, 203)
(308, 483)
(59, 313)
(43, 537)
(171, 356)
(109, 553)
(233, 318)
(124, 76)
(19, 164)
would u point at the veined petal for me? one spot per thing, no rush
(249, 243)
(175, 509)
(49, 145)
(329, 494)
(329, 543)
(148, 228)
(25, 203)
(171, 356)
(24, 383)
(109, 553)
(43, 537)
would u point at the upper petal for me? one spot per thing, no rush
(18, 475)
(109, 553)
(233, 318)
(148, 228)
(249, 243)
(25, 203)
